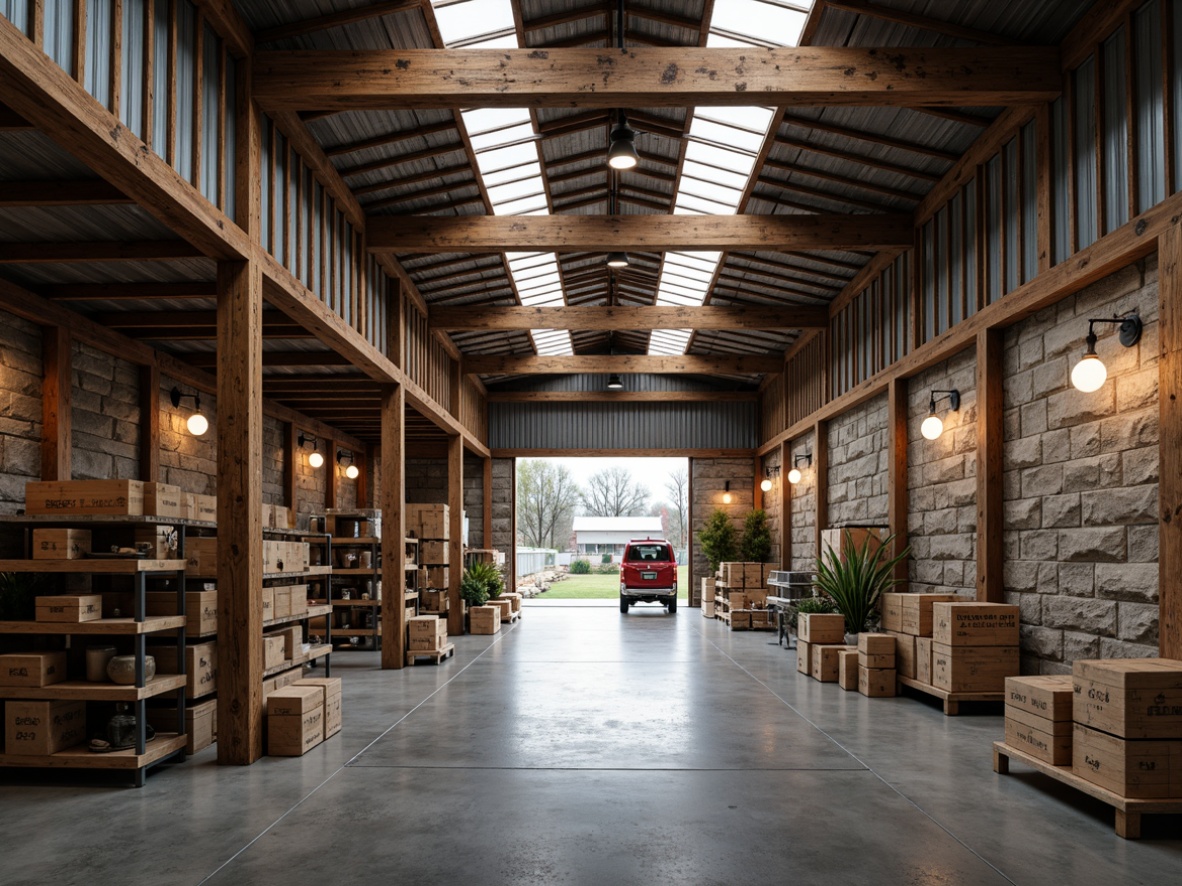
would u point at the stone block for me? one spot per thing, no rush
(1033, 417)
(1045, 480)
(1030, 352)
(1049, 377)
(1045, 643)
(1092, 545)
(1048, 578)
(1136, 582)
(1025, 452)
(1078, 645)
(1072, 407)
(939, 522)
(1129, 431)
(1011, 485)
(1077, 579)
(1056, 446)
(1139, 465)
(1019, 575)
(1081, 475)
(1113, 648)
(1061, 510)
(952, 547)
(1039, 545)
(1137, 622)
(1136, 390)
(1011, 423)
(1096, 617)
(1128, 505)
(955, 577)
(1085, 440)
(1143, 544)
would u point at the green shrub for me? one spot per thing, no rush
(580, 567)
(811, 605)
(607, 569)
(481, 579)
(720, 542)
(756, 546)
(856, 580)
(606, 558)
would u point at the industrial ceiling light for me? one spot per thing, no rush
(197, 424)
(933, 425)
(727, 498)
(614, 383)
(617, 259)
(794, 475)
(352, 472)
(315, 458)
(621, 153)
(1090, 373)
(768, 473)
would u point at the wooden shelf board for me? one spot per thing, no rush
(348, 603)
(80, 757)
(106, 519)
(371, 571)
(267, 576)
(352, 541)
(310, 612)
(314, 652)
(83, 690)
(87, 565)
(355, 632)
(150, 625)
(411, 595)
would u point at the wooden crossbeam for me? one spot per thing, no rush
(610, 318)
(419, 234)
(275, 358)
(11, 121)
(655, 77)
(97, 251)
(178, 319)
(922, 22)
(622, 396)
(88, 192)
(623, 365)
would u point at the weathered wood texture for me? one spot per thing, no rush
(628, 317)
(455, 559)
(392, 499)
(1170, 472)
(990, 442)
(702, 365)
(653, 77)
(57, 385)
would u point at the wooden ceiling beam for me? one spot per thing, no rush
(177, 319)
(622, 396)
(393, 138)
(922, 22)
(97, 251)
(677, 77)
(483, 234)
(955, 116)
(870, 137)
(11, 121)
(204, 333)
(88, 192)
(275, 358)
(578, 319)
(128, 291)
(862, 160)
(629, 364)
(334, 20)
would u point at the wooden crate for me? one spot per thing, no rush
(1129, 698)
(847, 669)
(740, 619)
(163, 500)
(70, 608)
(905, 655)
(201, 666)
(975, 624)
(61, 544)
(1137, 768)
(973, 668)
(923, 659)
(817, 627)
(426, 633)
(35, 669)
(113, 497)
(484, 619)
(1048, 696)
(826, 662)
(906, 613)
(804, 657)
(876, 651)
(876, 682)
(200, 507)
(43, 727)
(201, 609)
(1045, 739)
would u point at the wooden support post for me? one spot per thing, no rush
(898, 494)
(756, 490)
(785, 506)
(487, 540)
(392, 500)
(240, 512)
(57, 387)
(990, 438)
(150, 423)
(291, 460)
(511, 554)
(455, 547)
(1169, 395)
(821, 483)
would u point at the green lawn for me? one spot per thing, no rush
(603, 587)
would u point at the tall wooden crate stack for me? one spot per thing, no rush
(740, 595)
(974, 646)
(431, 525)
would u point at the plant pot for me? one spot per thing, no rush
(851, 639)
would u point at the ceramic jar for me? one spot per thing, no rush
(121, 669)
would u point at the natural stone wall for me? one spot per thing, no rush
(1081, 476)
(708, 478)
(105, 415)
(426, 481)
(20, 409)
(772, 502)
(941, 479)
(474, 500)
(504, 475)
(187, 461)
(804, 505)
(858, 466)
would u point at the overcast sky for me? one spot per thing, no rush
(652, 472)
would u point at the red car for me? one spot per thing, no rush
(648, 573)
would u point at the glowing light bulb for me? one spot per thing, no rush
(794, 476)
(932, 427)
(727, 498)
(766, 485)
(352, 473)
(198, 424)
(1089, 374)
(316, 460)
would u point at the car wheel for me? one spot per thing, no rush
(623, 606)
(672, 604)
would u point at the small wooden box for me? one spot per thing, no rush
(923, 660)
(876, 651)
(160, 541)
(877, 682)
(295, 720)
(274, 651)
(426, 633)
(268, 603)
(32, 668)
(1143, 770)
(975, 624)
(917, 612)
(484, 619)
(973, 668)
(826, 662)
(200, 507)
(905, 657)
(201, 666)
(506, 607)
(434, 553)
(1046, 696)
(740, 619)
(43, 727)
(707, 607)
(201, 609)
(61, 544)
(201, 724)
(70, 608)
(163, 500)
(821, 628)
(847, 669)
(293, 640)
(512, 596)
(331, 687)
(1042, 738)
(804, 657)
(434, 601)
(435, 576)
(282, 602)
(114, 497)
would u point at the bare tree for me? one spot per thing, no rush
(614, 493)
(677, 488)
(546, 499)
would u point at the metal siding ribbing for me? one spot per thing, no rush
(677, 425)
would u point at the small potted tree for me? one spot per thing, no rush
(756, 546)
(720, 542)
(856, 579)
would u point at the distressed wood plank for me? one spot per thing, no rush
(57, 387)
(392, 498)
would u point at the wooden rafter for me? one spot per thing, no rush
(922, 22)
(657, 77)
(127, 291)
(625, 318)
(433, 175)
(622, 396)
(276, 358)
(860, 159)
(334, 20)
(871, 137)
(644, 233)
(623, 364)
(393, 138)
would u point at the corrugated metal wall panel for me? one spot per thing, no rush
(677, 425)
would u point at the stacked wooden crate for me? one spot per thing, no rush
(908, 617)
(876, 665)
(974, 646)
(820, 640)
(427, 638)
(740, 591)
(1039, 716)
(431, 524)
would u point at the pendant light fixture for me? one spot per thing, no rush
(933, 425)
(1090, 373)
(315, 457)
(614, 383)
(768, 473)
(727, 498)
(621, 153)
(794, 475)
(619, 258)
(197, 423)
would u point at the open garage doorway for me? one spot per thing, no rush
(575, 515)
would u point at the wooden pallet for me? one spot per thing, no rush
(512, 618)
(436, 655)
(1128, 810)
(951, 700)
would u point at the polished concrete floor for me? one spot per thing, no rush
(581, 746)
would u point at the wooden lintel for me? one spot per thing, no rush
(611, 318)
(87, 192)
(622, 396)
(468, 234)
(655, 77)
(96, 251)
(623, 364)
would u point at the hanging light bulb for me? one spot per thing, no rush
(315, 459)
(727, 498)
(614, 383)
(766, 485)
(621, 153)
(617, 259)
(932, 427)
(197, 423)
(794, 476)
(1090, 373)
(352, 472)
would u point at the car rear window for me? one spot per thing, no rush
(651, 553)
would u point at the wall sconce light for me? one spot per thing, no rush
(1090, 373)
(768, 473)
(794, 475)
(352, 472)
(727, 498)
(315, 458)
(197, 424)
(614, 383)
(933, 425)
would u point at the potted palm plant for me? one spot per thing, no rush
(856, 579)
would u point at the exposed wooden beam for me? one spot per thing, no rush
(642, 233)
(334, 20)
(847, 156)
(622, 396)
(922, 22)
(97, 251)
(1169, 386)
(870, 137)
(85, 292)
(56, 404)
(179, 319)
(87, 192)
(392, 500)
(955, 116)
(209, 360)
(623, 364)
(455, 503)
(11, 121)
(655, 77)
(990, 467)
(230, 25)
(393, 138)
(150, 423)
(611, 318)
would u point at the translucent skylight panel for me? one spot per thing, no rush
(513, 190)
(704, 206)
(668, 342)
(473, 18)
(506, 40)
(511, 155)
(766, 22)
(722, 41)
(514, 171)
(711, 155)
(754, 119)
(525, 204)
(711, 191)
(730, 136)
(552, 342)
(486, 119)
(698, 259)
(523, 132)
(693, 169)
(522, 260)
